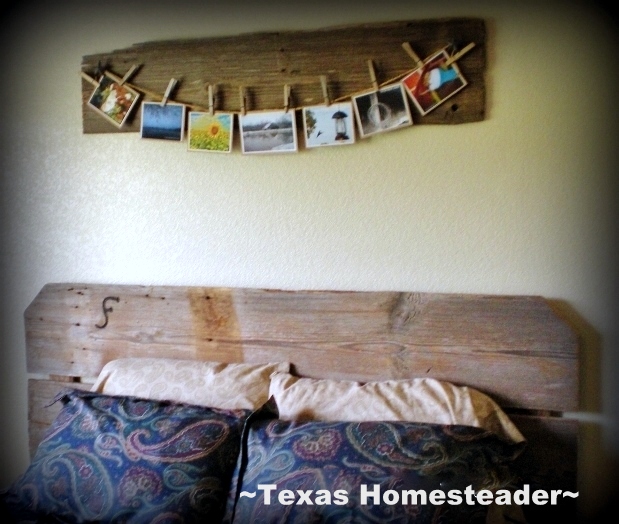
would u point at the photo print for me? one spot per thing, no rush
(206, 132)
(433, 83)
(330, 125)
(268, 132)
(163, 121)
(113, 101)
(382, 110)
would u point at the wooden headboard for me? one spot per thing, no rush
(514, 348)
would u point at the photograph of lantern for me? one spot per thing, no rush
(329, 125)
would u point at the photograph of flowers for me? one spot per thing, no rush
(113, 101)
(208, 132)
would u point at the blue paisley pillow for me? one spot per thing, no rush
(335, 463)
(125, 459)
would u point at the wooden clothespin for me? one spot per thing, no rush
(100, 71)
(168, 91)
(325, 90)
(128, 74)
(242, 99)
(372, 75)
(409, 51)
(211, 103)
(458, 55)
(89, 79)
(286, 97)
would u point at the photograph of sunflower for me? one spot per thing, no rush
(210, 132)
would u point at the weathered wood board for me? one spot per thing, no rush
(513, 348)
(263, 63)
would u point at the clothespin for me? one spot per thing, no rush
(100, 70)
(458, 55)
(168, 91)
(286, 97)
(89, 79)
(242, 98)
(211, 105)
(372, 75)
(325, 91)
(128, 74)
(409, 51)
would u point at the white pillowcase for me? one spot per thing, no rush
(212, 384)
(416, 400)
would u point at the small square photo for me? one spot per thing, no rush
(163, 121)
(433, 83)
(206, 132)
(382, 110)
(113, 101)
(331, 125)
(268, 132)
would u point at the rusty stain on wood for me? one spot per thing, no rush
(215, 324)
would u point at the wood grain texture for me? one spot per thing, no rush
(41, 409)
(264, 63)
(513, 348)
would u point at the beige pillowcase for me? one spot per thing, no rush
(416, 400)
(212, 384)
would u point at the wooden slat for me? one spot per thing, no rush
(40, 413)
(514, 348)
(265, 62)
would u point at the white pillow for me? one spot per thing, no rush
(212, 384)
(416, 400)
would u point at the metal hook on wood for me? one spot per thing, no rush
(107, 310)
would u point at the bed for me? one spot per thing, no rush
(517, 351)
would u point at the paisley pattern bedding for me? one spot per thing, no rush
(124, 459)
(117, 459)
(335, 463)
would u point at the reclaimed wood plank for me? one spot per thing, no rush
(514, 348)
(41, 412)
(265, 62)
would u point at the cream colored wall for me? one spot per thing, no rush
(516, 204)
